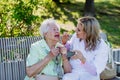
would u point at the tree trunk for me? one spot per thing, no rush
(89, 9)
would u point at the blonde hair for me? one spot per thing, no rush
(45, 26)
(92, 29)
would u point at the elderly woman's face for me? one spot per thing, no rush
(53, 33)
(79, 31)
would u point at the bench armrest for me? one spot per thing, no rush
(117, 63)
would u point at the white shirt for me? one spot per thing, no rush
(97, 58)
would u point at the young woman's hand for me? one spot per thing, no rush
(65, 37)
(79, 55)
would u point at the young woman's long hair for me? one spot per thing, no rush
(92, 28)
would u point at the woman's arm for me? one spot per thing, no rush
(90, 67)
(66, 65)
(36, 68)
(98, 64)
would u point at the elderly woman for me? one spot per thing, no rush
(91, 52)
(47, 56)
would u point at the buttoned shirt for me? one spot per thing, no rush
(38, 51)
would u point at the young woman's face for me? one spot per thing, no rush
(79, 31)
(53, 33)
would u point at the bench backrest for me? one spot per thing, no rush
(115, 52)
(116, 57)
(13, 53)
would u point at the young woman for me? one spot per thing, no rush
(91, 52)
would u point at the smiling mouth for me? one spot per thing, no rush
(57, 36)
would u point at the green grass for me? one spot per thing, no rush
(108, 14)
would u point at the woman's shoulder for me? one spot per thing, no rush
(38, 43)
(102, 44)
(74, 38)
(74, 35)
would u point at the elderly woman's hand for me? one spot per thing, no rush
(54, 52)
(79, 55)
(63, 50)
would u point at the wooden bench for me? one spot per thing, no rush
(13, 53)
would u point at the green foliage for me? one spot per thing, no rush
(23, 17)
(5, 12)
(23, 12)
(17, 18)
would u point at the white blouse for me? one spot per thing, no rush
(98, 58)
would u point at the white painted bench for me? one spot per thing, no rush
(116, 57)
(13, 53)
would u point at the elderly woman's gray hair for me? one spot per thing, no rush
(46, 24)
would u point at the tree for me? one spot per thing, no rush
(89, 8)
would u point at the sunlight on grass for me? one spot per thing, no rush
(108, 14)
(80, 0)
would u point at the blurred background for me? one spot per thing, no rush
(23, 17)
